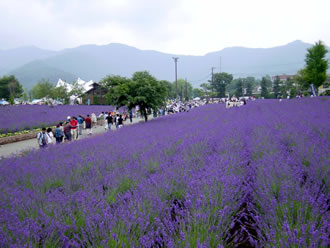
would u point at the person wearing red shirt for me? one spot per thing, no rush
(88, 122)
(74, 128)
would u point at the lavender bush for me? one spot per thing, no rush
(26, 117)
(255, 176)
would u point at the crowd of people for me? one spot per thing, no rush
(173, 106)
(73, 127)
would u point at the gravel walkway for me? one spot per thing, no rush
(18, 147)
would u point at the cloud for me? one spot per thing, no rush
(177, 26)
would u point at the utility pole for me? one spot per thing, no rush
(212, 83)
(176, 76)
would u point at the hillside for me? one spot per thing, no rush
(33, 72)
(92, 62)
(13, 58)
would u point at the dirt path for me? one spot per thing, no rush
(18, 147)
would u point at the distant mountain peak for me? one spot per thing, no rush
(97, 61)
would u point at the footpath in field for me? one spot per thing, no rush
(18, 147)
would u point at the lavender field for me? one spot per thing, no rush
(26, 117)
(255, 176)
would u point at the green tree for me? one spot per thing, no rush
(197, 92)
(142, 90)
(42, 89)
(60, 93)
(10, 87)
(169, 88)
(220, 81)
(264, 89)
(118, 90)
(206, 90)
(277, 87)
(147, 93)
(249, 88)
(25, 95)
(283, 91)
(301, 80)
(316, 64)
(239, 88)
(184, 89)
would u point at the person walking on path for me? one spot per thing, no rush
(67, 131)
(109, 121)
(131, 116)
(120, 121)
(50, 135)
(80, 120)
(101, 119)
(88, 122)
(74, 128)
(42, 138)
(59, 134)
(94, 119)
(116, 120)
(105, 124)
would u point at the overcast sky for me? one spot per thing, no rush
(176, 26)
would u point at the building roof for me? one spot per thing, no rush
(283, 77)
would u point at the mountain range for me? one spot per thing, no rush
(93, 62)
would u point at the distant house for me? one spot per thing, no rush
(283, 78)
(256, 91)
(96, 95)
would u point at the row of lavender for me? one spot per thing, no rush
(248, 177)
(27, 117)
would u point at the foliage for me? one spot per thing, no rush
(249, 83)
(42, 89)
(10, 87)
(184, 89)
(197, 92)
(25, 95)
(146, 92)
(316, 65)
(60, 93)
(118, 90)
(249, 88)
(142, 90)
(239, 88)
(277, 87)
(220, 81)
(169, 89)
(206, 90)
(264, 89)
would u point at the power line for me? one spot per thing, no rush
(195, 81)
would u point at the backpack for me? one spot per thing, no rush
(42, 138)
(58, 133)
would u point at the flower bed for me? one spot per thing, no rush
(255, 176)
(27, 117)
